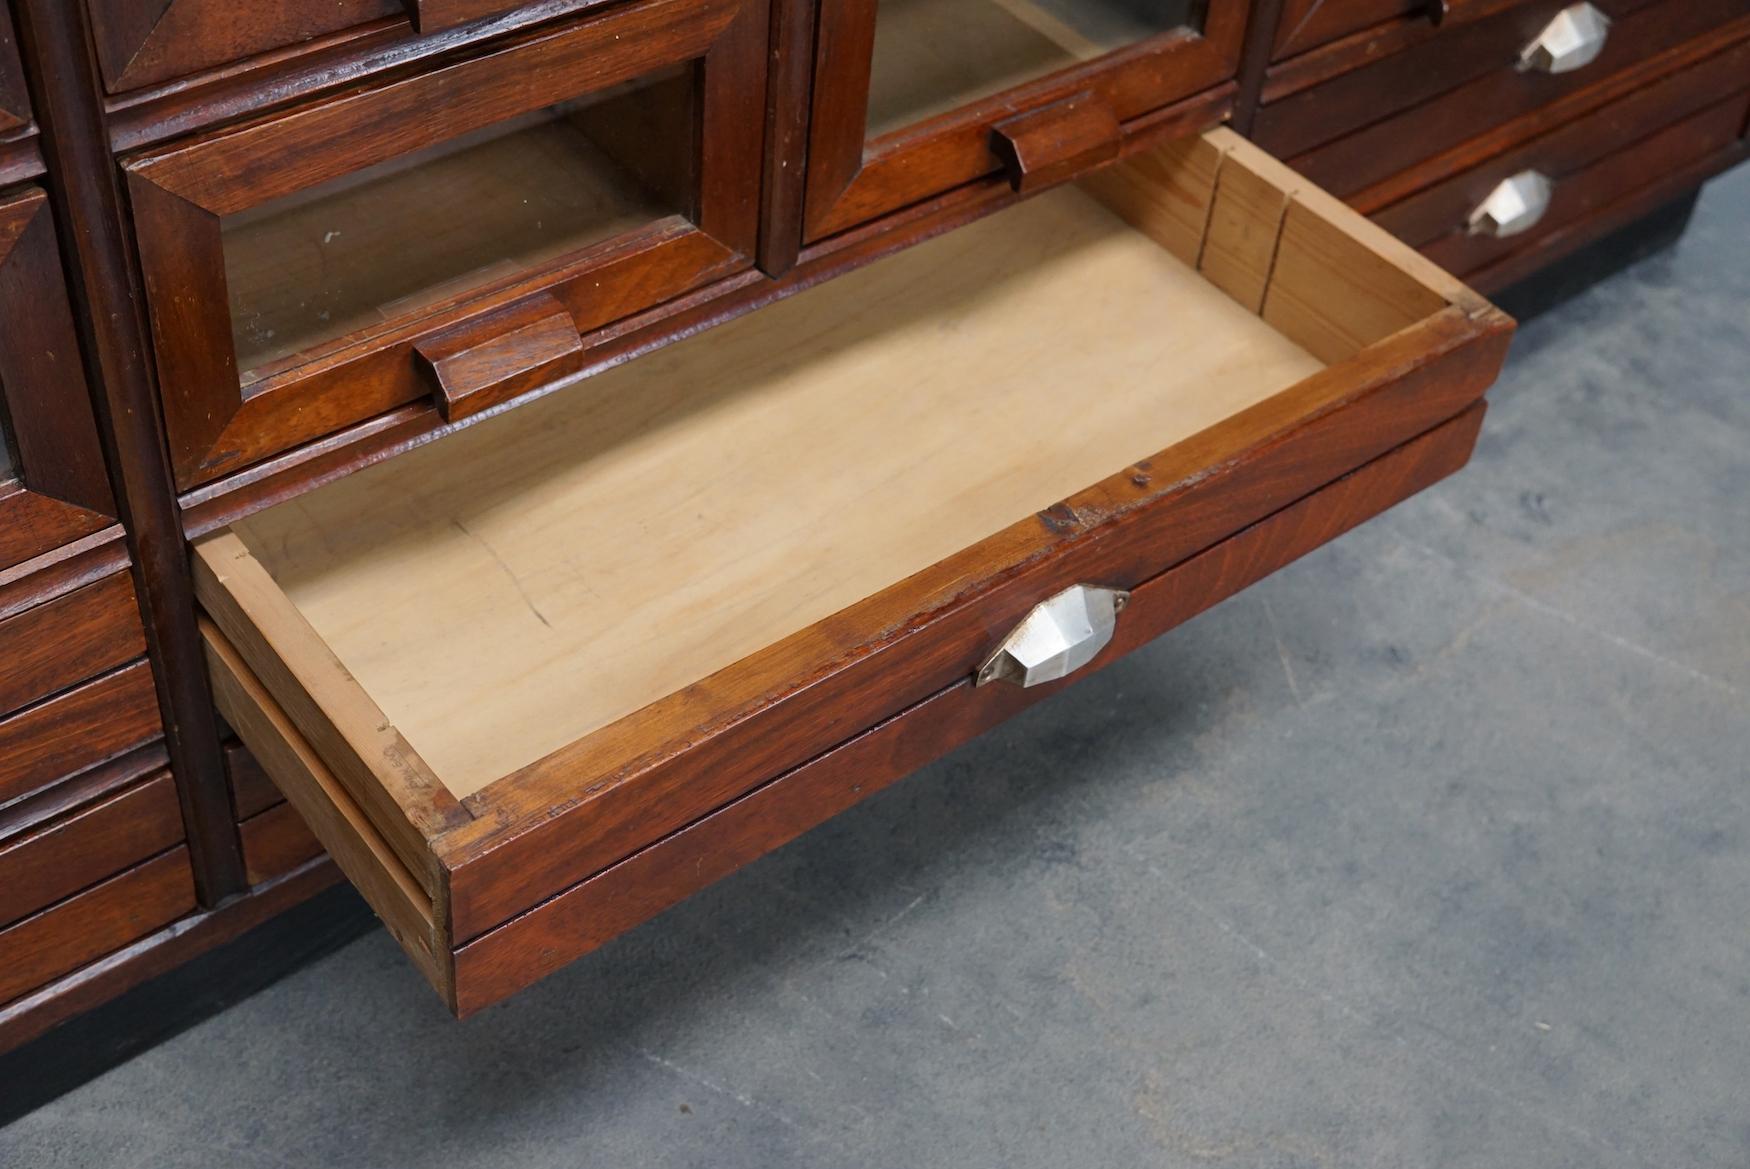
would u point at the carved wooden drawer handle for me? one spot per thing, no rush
(1057, 142)
(1573, 39)
(1057, 638)
(1516, 204)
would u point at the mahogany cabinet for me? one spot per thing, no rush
(579, 445)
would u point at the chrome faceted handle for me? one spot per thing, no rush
(1057, 638)
(1572, 39)
(1515, 205)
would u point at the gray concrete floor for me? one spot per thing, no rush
(1432, 850)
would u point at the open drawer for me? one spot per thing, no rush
(538, 680)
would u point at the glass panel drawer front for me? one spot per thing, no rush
(514, 201)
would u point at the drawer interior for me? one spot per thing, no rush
(542, 615)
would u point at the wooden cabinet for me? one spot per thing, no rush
(915, 97)
(731, 557)
(613, 436)
(53, 486)
(456, 234)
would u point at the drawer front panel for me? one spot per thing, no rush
(914, 97)
(79, 850)
(77, 729)
(737, 637)
(140, 44)
(1455, 87)
(1608, 154)
(69, 639)
(452, 236)
(99, 921)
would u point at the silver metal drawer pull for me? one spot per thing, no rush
(1057, 638)
(1574, 38)
(1515, 205)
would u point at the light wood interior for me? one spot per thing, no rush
(354, 254)
(506, 591)
(932, 56)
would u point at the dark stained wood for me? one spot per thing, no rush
(500, 356)
(251, 790)
(788, 85)
(112, 975)
(636, 889)
(1255, 59)
(68, 639)
(852, 180)
(77, 729)
(86, 198)
(1306, 24)
(276, 842)
(60, 859)
(61, 570)
(1442, 210)
(1690, 55)
(14, 101)
(1057, 142)
(61, 492)
(437, 15)
(1581, 192)
(1551, 246)
(1451, 91)
(99, 921)
(94, 783)
(140, 42)
(180, 194)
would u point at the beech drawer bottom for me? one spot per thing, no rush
(778, 557)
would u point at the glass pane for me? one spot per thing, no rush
(932, 56)
(352, 254)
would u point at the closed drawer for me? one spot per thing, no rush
(101, 920)
(275, 842)
(68, 639)
(494, 669)
(77, 729)
(142, 44)
(1560, 177)
(456, 237)
(914, 97)
(1354, 131)
(54, 861)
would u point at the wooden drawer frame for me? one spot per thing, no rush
(179, 192)
(14, 101)
(1410, 350)
(63, 491)
(852, 180)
